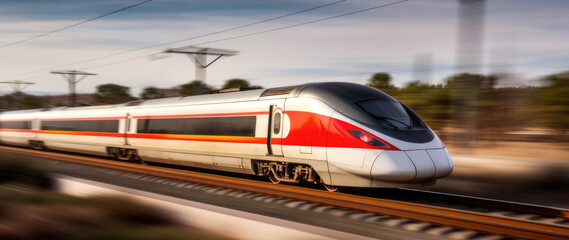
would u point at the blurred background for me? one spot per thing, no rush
(491, 78)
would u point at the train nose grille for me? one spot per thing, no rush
(412, 165)
(430, 164)
(423, 164)
(442, 161)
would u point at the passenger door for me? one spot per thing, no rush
(275, 129)
(127, 123)
(35, 127)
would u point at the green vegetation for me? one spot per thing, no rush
(195, 87)
(464, 101)
(22, 171)
(151, 93)
(472, 101)
(28, 213)
(30, 102)
(381, 81)
(549, 105)
(29, 210)
(112, 94)
(6, 102)
(237, 82)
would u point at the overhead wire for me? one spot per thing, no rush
(304, 23)
(250, 34)
(182, 40)
(73, 25)
(264, 31)
(394, 68)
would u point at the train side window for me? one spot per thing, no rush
(210, 126)
(277, 123)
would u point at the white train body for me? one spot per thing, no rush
(312, 132)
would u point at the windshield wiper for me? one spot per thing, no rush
(388, 119)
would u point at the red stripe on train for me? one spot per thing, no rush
(199, 138)
(81, 118)
(311, 129)
(203, 115)
(18, 130)
(78, 133)
(306, 129)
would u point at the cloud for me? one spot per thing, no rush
(343, 49)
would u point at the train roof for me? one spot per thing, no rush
(22, 111)
(341, 95)
(330, 92)
(334, 92)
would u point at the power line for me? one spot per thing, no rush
(301, 24)
(248, 25)
(73, 25)
(265, 31)
(182, 40)
(247, 35)
(18, 86)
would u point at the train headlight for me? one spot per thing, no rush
(366, 138)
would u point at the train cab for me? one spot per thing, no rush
(375, 140)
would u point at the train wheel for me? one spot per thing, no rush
(136, 159)
(274, 178)
(331, 188)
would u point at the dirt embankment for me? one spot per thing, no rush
(29, 209)
(521, 171)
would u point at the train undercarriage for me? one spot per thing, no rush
(278, 172)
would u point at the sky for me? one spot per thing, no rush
(411, 40)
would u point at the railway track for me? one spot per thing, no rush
(476, 204)
(509, 226)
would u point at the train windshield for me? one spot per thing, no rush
(388, 112)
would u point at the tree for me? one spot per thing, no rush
(195, 87)
(429, 101)
(30, 102)
(470, 80)
(381, 81)
(151, 93)
(112, 94)
(6, 102)
(549, 104)
(474, 104)
(237, 82)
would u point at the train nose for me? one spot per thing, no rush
(412, 165)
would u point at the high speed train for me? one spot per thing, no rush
(338, 134)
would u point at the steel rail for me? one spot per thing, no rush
(519, 228)
(543, 211)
